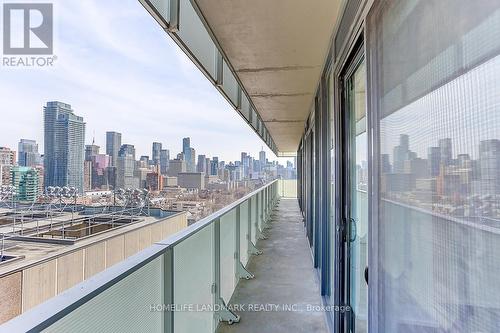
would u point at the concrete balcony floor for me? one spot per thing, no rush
(284, 275)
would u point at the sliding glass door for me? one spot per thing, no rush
(435, 69)
(354, 194)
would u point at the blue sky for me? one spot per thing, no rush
(121, 72)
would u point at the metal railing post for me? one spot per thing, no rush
(221, 313)
(241, 271)
(252, 249)
(261, 214)
(168, 290)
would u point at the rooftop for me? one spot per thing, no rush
(41, 239)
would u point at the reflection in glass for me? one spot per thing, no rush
(194, 34)
(439, 166)
(358, 166)
(333, 211)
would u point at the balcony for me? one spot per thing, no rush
(283, 277)
(233, 271)
(391, 111)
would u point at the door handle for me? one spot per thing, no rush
(352, 227)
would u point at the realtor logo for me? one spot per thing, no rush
(28, 29)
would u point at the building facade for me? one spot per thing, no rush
(191, 180)
(26, 182)
(186, 151)
(28, 154)
(113, 144)
(164, 161)
(156, 153)
(176, 166)
(7, 161)
(64, 141)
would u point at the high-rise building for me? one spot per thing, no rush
(155, 153)
(214, 166)
(7, 161)
(186, 150)
(125, 169)
(404, 141)
(434, 160)
(201, 165)
(192, 164)
(251, 168)
(489, 160)
(28, 153)
(164, 161)
(91, 150)
(245, 164)
(464, 161)
(64, 134)
(41, 183)
(7, 156)
(401, 153)
(385, 163)
(113, 144)
(25, 180)
(154, 181)
(208, 164)
(87, 175)
(175, 167)
(445, 151)
(112, 174)
(262, 159)
(51, 113)
(127, 149)
(141, 175)
(100, 177)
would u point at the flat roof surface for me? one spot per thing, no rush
(33, 252)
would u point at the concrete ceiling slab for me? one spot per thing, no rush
(277, 49)
(288, 133)
(279, 81)
(284, 108)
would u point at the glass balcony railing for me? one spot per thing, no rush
(180, 284)
(287, 188)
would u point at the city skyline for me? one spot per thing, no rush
(69, 161)
(161, 97)
(100, 140)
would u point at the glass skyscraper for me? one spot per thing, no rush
(156, 152)
(164, 160)
(28, 153)
(186, 150)
(113, 144)
(64, 146)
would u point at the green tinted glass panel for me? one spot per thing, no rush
(193, 278)
(227, 250)
(123, 307)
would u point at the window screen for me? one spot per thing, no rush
(435, 66)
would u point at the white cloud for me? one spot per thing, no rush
(121, 71)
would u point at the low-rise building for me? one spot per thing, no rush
(191, 180)
(169, 181)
